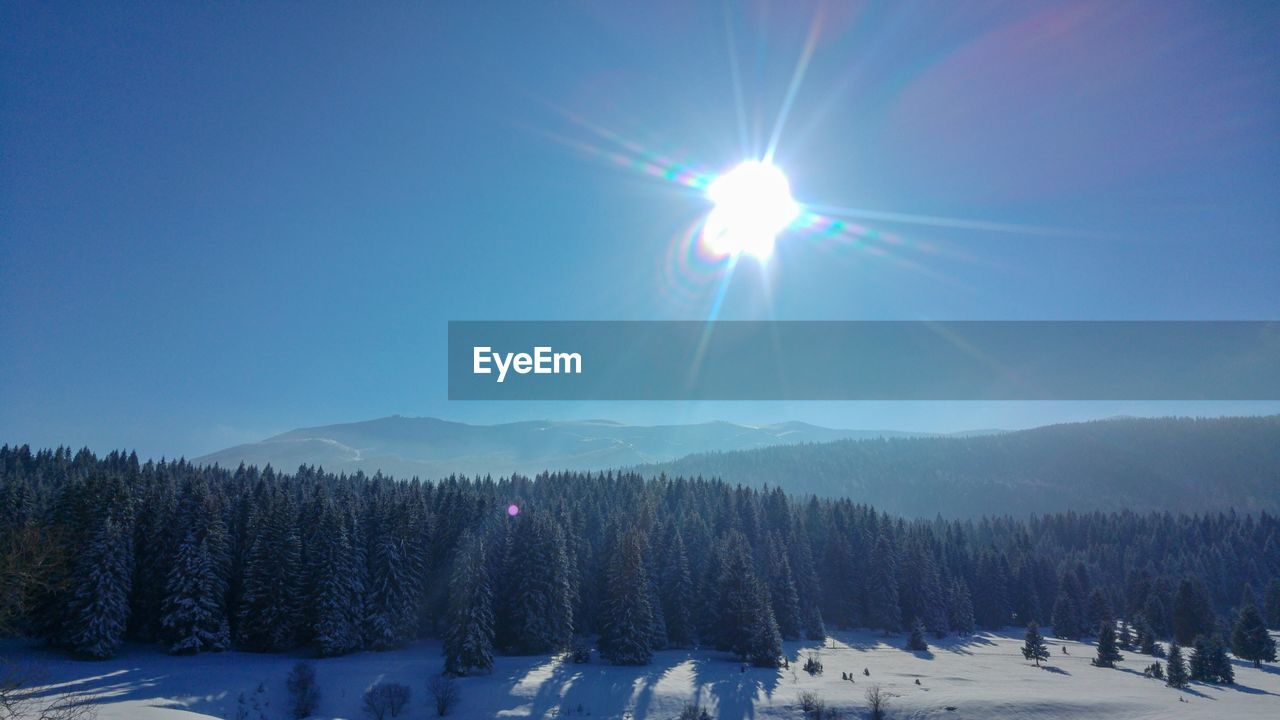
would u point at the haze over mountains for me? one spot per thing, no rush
(1137, 464)
(431, 448)
(1164, 464)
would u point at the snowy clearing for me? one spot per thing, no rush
(982, 677)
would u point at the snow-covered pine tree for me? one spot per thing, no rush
(782, 590)
(765, 641)
(1146, 637)
(154, 539)
(745, 624)
(1249, 637)
(192, 616)
(991, 604)
(916, 641)
(1272, 610)
(960, 608)
(921, 588)
(1222, 662)
(675, 589)
(1156, 614)
(1098, 611)
(1192, 611)
(99, 601)
(807, 587)
(1176, 670)
(626, 633)
(1108, 653)
(271, 600)
(1033, 645)
(537, 608)
(658, 628)
(1209, 661)
(468, 639)
(883, 609)
(390, 610)
(1066, 617)
(338, 590)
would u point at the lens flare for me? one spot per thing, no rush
(753, 204)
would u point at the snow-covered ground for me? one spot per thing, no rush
(982, 677)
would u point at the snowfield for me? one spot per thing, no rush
(981, 677)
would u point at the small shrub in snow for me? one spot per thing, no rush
(815, 708)
(444, 691)
(253, 707)
(1154, 670)
(693, 712)
(877, 702)
(813, 665)
(385, 700)
(304, 696)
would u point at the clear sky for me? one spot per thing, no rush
(220, 221)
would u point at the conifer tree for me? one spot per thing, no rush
(676, 593)
(626, 635)
(100, 594)
(1249, 637)
(537, 607)
(960, 609)
(1146, 640)
(1156, 614)
(1108, 654)
(1273, 604)
(1066, 617)
(1192, 612)
(389, 608)
(1125, 638)
(883, 608)
(1209, 661)
(338, 591)
(1098, 610)
(192, 616)
(916, 641)
(782, 590)
(1176, 672)
(808, 588)
(745, 623)
(468, 640)
(1033, 645)
(271, 592)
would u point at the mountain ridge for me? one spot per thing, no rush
(1139, 464)
(430, 447)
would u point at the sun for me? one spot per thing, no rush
(753, 204)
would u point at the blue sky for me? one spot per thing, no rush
(219, 222)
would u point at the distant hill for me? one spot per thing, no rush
(1167, 464)
(432, 448)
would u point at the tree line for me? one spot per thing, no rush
(96, 551)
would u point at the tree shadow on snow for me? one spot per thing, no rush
(1269, 669)
(1054, 670)
(733, 691)
(961, 645)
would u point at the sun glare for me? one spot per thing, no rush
(753, 204)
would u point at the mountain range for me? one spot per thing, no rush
(1138, 464)
(431, 448)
